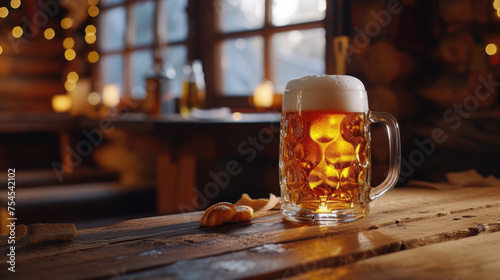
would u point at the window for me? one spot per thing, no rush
(241, 43)
(274, 40)
(133, 32)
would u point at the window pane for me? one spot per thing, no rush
(142, 66)
(143, 14)
(177, 57)
(297, 53)
(239, 15)
(296, 11)
(173, 25)
(111, 2)
(112, 70)
(113, 24)
(242, 65)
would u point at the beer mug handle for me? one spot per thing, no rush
(394, 152)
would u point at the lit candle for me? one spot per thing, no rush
(79, 96)
(111, 95)
(263, 95)
(61, 103)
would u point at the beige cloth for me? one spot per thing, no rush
(40, 233)
(457, 180)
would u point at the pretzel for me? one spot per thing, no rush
(218, 214)
(243, 213)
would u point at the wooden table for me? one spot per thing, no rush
(179, 143)
(410, 234)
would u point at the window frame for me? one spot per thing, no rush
(157, 47)
(204, 42)
(212, 56)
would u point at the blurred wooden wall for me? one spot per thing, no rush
(31, 66)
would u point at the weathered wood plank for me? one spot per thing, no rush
(147, 243)
(286, 259)
(29, 67)
(32, 48)
(475, 257)
(16, 88)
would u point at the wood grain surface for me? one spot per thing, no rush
(410, 234)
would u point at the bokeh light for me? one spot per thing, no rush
(73, 76)
(70, 54)
(93, 11)
(4, 12)
(69, 85)
(68, 43)
(15, 3)
(90, 29)
(49, 33)
(66, 23)
(93, 57)
(90, 39)
(491, 49)
(94, 98)
(17, 32)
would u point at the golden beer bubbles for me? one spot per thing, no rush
(340, 154)
(324, 158)
(325, 129)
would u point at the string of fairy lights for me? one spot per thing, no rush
(69, 43)
(491, 48)
(68, 27)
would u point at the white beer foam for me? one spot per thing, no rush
(325, 92)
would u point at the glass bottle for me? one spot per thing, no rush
(159, 96)
(193, 88)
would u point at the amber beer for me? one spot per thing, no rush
(325, 150)
(325, 163)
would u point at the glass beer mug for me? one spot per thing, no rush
(325, 150)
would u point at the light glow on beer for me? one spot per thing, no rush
(263, 95)
(326, 152)
(61, 103)
(111, 95)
